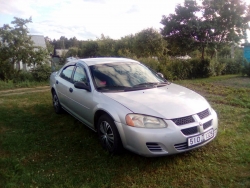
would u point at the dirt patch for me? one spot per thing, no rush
(21, 91)
(235, 82)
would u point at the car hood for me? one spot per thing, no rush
(169, 102)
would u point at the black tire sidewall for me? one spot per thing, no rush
(58, 109)
(117, 147)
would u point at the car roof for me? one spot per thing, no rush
(105, 60)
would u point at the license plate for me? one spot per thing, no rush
(200, 138)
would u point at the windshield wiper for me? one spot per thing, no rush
(146, 84)
(112, 88)
(151, 84)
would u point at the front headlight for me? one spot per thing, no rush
(137, 120)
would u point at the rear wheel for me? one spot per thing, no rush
(109, 135)
(56, 103)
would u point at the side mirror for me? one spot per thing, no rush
(82, 85)
(160, 74)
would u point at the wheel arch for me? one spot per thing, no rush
(116, 112)
(52, 90)
(98, 114)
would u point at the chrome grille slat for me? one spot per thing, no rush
(204, 114)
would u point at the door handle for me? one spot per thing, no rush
(57, 82)
(70, 90)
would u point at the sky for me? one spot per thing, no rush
(88, 19)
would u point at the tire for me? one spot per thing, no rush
(56, 103)
(108, 135)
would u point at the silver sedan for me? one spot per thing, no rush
(131, 106)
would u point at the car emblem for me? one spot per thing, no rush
(200, 124)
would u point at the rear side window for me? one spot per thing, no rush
(67, 72)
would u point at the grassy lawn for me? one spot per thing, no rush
(11, 85)
(39, 148)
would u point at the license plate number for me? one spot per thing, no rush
(195, 140)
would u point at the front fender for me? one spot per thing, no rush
(116, 111)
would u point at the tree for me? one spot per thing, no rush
(209, 25)
(149, 43)
(88, 49)
(73, 52)
(125, 46)
(106, 46)
(49, 45)
(16, 45)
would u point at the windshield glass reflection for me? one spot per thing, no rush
(122, 75)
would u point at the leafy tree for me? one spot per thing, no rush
(106, 46)
(149, 43)
(125, 46)
(16, 45)
(88, 49)
(49, 45)
(209, 25)
(73, 52)
(73, 42)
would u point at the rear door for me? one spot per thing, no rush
(63, 83)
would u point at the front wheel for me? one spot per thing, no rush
(109, 135)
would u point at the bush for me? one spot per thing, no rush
(22, 76)
(180, 69)
(157, 66)
(150, 62)
(217, 67)
(41, 72)
(6, 71)
(232, 66)
(246, 68)
(201, 68)
(176, 69)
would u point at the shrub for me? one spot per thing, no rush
(6, 71)
(180, 69)
(232, 66)
(22, 76)
(41, 72)
(150, 62)
(245, 68)
(176, 69)
(200, 68)
(217, 67)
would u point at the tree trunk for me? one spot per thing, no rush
(202, 52)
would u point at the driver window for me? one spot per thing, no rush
(80, 75)
(67, 72)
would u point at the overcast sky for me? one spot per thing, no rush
(87, 19)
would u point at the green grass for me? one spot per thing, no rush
(24, 84)
(39, 148)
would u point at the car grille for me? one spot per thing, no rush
(181, 146)
(183, 120)
(190, 130)
(154, 147)
(189, 119)
(204, 114)
(207, 124)
(193, 129)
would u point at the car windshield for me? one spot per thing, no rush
(124, 76)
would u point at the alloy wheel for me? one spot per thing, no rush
(107, 135)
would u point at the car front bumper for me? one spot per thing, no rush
(164, 141)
